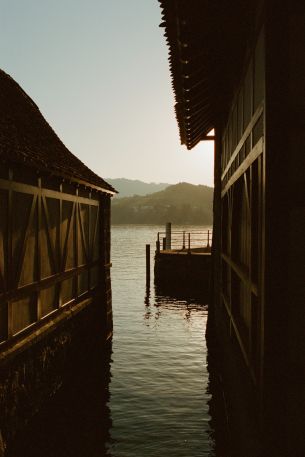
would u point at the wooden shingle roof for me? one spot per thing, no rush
(27, 138)
(207, 40)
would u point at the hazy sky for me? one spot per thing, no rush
(99, 73)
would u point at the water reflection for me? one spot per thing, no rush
(219, 426)
(77, 422)
(160, 397)
(189, 305)
(147, 295)
(181, 293)
(184, 300)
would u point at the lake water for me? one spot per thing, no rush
(156, 399)
(159, 390)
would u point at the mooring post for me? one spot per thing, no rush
(189, 248)
(158, 244)
(164, 243)
(168, 235)
(208, 238)
(183, 244)
(147, 264)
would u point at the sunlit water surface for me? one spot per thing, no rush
(150, 397)
(159, 390)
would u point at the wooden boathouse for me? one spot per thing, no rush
(239, 68)
(55, 290)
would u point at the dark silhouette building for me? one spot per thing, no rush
(239, 67)
(55, 291)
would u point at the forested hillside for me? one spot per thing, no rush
(181, 203)
(131, 187)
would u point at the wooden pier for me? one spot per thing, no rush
(186, 264)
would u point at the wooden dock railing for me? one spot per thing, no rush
(184, 240)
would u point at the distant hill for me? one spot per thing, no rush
(130, 187)
(181, 203)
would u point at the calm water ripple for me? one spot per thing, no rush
(151, 396)
(159, 390)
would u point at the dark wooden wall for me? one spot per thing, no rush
(284, 361)
(262, 244)
(54, 247)
(242, 208)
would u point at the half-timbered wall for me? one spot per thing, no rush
(51, 250)
(242, 183)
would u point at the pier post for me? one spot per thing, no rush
(189, 247)
(168, 235)
(158, 244)
(208, 238)
(183, 244)
(147, 264)
(164, 243)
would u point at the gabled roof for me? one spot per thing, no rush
(27, 138)
(207, 41)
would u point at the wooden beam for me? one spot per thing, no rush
(75, 247)
(29, 289)
(24, 241)
(10, 270)
(208, 138)
(82, 232)
(38, 330)
(65, 246)
(247, 191)
(94, 233)
(49, 239)
(241, 272)
(239, 338)
(61, 244)
(28, 189)
(251, 157)
(38, 249)
(2, 282)
(243, 139)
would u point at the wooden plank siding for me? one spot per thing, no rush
(242, 226)
(254, 72)
(53, 249)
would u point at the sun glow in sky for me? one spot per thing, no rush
(99, 73)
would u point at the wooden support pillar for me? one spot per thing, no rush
(168, 235)
(147, 264)
(216, 246)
